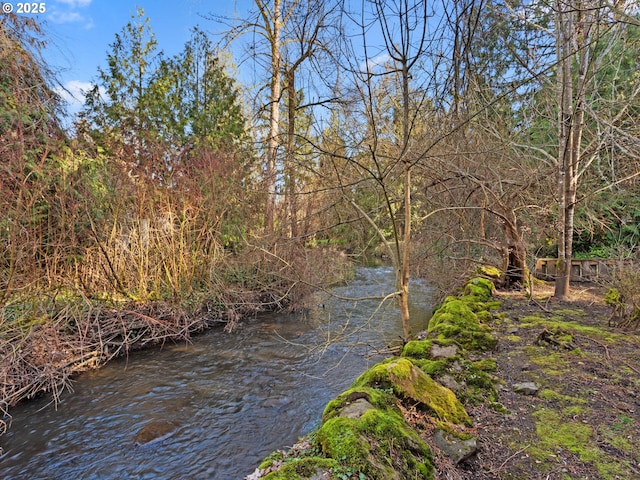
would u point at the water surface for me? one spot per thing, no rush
(233, 397)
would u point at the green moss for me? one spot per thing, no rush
(410, 382)
(480, 385)
(532, 320)
(379, 445)
(498, 407)
(553, 396)
(406, 451)
(475, 302)
(556, 432)
(479, 287)
(456, 320)
(376, 397)
(432, 367)
(570, 312)
(272, 458)
(623, 423)
(338, 438)
(454, 311)
(303, 468)
(417, 349)
(470, 340)
(552, 363)
(513, 338)
(574, 411)
(572, 327)
(490, 271)
(616, 440)
(486, 365)
(485, 316)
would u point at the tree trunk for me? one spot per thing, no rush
(406, 236)
(274, 117)
(574, 25)
(564, 36)
(516, 271)
(290, 193)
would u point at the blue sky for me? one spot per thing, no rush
(80, 31)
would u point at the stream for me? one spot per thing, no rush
(231, 398)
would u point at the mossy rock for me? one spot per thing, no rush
(424, 349)
(432, 367)
(304, 468)
(378, 398)
(456, 320)
(490, 272)
(379, 445)
(486, 365)
(485, 316)
(418, 349)
(409, 382)
(479, 287)
(454, 311)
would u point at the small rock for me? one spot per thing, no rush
(321, 475)
(356, 409)
(155, 431)
(450, 382)
(526, 388)
(512, 331)
(455, 448)
(438, 351)
(257, 474)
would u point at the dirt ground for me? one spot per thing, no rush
(584, 421)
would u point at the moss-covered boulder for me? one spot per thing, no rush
(489, 271)
(304, 468)
(379, 445)
(409, 382)
(431, 349)
(481, 288)
(456, 320)
(377, 398)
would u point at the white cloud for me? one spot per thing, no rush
(57, 16)
(67, 12)
(75, 3)
(375, 62)
(73, 92)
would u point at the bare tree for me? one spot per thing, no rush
(585, 32)
(383, 157)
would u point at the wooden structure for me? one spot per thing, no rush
(582, 269)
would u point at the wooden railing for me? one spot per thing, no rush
(582, 269)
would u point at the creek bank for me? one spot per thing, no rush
(48, 337)
(401, 413)
(43, 351)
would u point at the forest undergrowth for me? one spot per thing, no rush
(584, 420)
